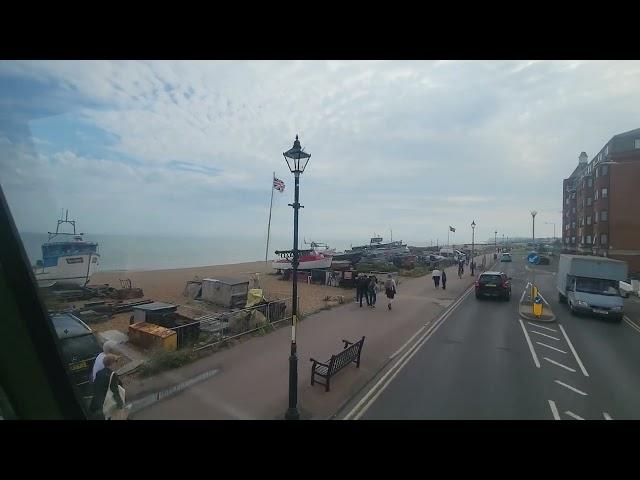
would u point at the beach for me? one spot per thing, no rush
(168, 285)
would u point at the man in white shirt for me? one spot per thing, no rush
(436, 277)
(108, 347)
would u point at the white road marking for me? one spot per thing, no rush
(571, 388)
(367, 400)
(554, 410)
(408, 341)
(573, 350)
(549, 346)
(607, 416)
(533, 352)
(544, 335)
(524, 292)
(540, 326)
(559, 364)
(628, 321)
(571, 414)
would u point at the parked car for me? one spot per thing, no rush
(79, 348)
(506, 257)
(493, 284)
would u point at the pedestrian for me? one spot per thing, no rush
(390, 290)
(108, 347)
(444, 279)
(362, 286)
(473, 268)
(436, 277)
(460, 270)
(108, 394)
(373, 285)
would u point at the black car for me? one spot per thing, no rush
(544, 260)
(79, 348)
(493, 284)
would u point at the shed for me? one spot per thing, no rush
(152, 311)
(225, 291)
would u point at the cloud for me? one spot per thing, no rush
(409, 145)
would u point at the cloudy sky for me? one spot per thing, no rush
(190, 146)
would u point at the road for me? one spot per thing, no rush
(483, 362)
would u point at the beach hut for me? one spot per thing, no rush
(153, 312)
(225, 291)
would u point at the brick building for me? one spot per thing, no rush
(601, 202)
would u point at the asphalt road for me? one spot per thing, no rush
(484, 362)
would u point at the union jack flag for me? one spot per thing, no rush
(278, 184)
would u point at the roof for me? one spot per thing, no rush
(68, 325)
(491, 273)
(156, 306)
(227, 280)
(601, 259)
(635, 131)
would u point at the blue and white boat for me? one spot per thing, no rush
(66, 258)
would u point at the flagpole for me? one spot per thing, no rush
(266, 253)
(448, 230)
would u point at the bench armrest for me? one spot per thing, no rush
(316, 361)
(347, 343)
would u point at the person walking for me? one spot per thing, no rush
(373, 285)
(363, 289)
(460, 269)
(444, 279)
(390, 290)
(107, 383)
(436, 277)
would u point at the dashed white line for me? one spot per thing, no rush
(540, 326)
(549, 346)
(544, 335)
(533, 352)
(554, 410)
(607, 416)
(571, 414)
(559, 364)
(573, 350)
(571, 388)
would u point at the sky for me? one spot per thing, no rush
(190, 147)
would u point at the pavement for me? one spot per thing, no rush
(251, 378)
(481, 361)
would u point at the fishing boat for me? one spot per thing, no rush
(309, 260)
(66, 258)
(378, 249)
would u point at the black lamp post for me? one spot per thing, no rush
(473, 239)
(495, 240)
(533, 227)
(297, 160)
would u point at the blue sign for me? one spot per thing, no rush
(533, 258)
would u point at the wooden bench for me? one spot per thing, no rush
(350, 354)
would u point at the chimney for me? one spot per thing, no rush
(582, 159)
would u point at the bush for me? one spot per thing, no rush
(163, 361)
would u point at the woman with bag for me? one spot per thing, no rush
(108, 393)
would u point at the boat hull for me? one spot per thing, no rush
(310, 264)
(70, 270)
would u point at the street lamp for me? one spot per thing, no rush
(495, 240)
(473, 238)
(297, 160)
(533, 218)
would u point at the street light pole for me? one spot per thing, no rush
(495, 240)
(533, 217)
(473, 245)
(297, 159)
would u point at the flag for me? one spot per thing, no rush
(451, 228)
(278, 184)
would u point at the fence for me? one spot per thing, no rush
(228, 325)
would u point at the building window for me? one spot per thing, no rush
(573, 209)
(636, 143)
(573, 239)
(596, 194)
(589, 201)
(581, 221)
(604, 216)
(573, 224)
(597, 172)
(605, 192)
(603, 239)
(595, 217)
(588, 219)
(606, 150)
(605, 170)
(588, 239)
(567, 201)
(590, 182)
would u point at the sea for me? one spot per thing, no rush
(133, 252)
